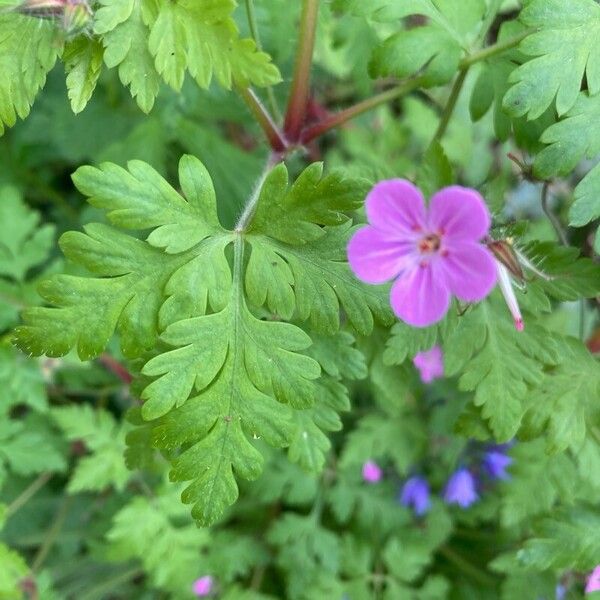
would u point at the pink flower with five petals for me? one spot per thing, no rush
(431, 253)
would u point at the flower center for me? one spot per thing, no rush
(429, 244)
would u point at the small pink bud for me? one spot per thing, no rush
(203, 586)
(509, 296)
(430, 364)
(371, 472)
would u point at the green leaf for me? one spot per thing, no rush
(538, 481)
(29, 447)
(565, 36)
(136, 284)
(13, 569)
(567, 540)
(408, 554)
(83, 63)
(23, 243)
(498, 363)
(399, 438)
(103, 438)
(308, 260)
(186, 36)
(28, 51)
(567, 276)
(571, 139)
(563, 406)
(217, 374)
(125, 38)
(406, 341)
(21, 381)
(306, 550)
(150, 529)
(435, 170)
(428, 48)
(433, 50)
(492, 83)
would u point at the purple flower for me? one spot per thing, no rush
(371, 472)
(415, 493)
(430, 253)
(495, 462)
(430, 364)
(593, 582)
(203, 586)
(461, 489)
(560, 592)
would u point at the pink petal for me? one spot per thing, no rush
(459, 212)
(593, 583)
(430, 364)
(396, 205)
(420, 296)
(375, 256)
(470, 270)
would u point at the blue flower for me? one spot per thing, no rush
(461, 489)
(495, 463)
(415, 493)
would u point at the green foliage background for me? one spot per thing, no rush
(265, 374)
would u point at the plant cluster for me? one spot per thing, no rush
(343, 349)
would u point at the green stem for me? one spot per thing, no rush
(466, 567)
(276, 139)
(296, 110)
(114, 583)
(27, 494)
(253, 24)
(451, 104)
(558, 228)
(51, 536)
(335, 120)
(495, 49)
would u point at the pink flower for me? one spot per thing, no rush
(430, 364)
(371, 472)
(430, 253)
(203, 586)
(593, 582)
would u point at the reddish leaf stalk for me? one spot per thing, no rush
(276, 139)
(332, 121)
(296, 110)
(116, 368)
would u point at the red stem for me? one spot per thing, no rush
(296, 110)
(276, 139)
(116, 368)
(332, 121)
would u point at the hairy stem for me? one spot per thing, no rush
(250, 207)
(335, 120)
(253, 25)
(27, 494)
(296, 110)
